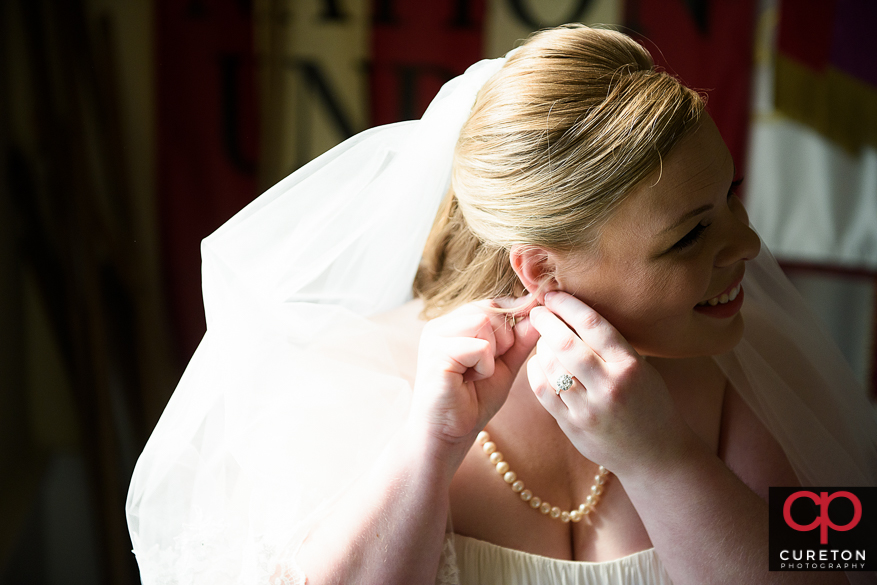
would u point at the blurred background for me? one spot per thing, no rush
(130, 130)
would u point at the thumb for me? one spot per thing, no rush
(526, 337)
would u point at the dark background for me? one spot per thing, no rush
(131, 130)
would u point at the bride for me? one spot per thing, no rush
(614, 374)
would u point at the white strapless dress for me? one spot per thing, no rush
(482, 563)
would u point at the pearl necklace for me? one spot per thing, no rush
(511, 478)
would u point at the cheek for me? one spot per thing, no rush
(656, 305)
(690, 285)
(635, 304)
(669, 290)
(650, 304)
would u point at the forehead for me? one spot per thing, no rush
(695, 171)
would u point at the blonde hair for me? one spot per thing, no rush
(575, 119)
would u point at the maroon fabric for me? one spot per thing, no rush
(854, 43)
(805, 31)
(416, 47)
(708, 45)
(836, 33)
(206, 139)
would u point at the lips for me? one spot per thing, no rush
(723, 298)
(724, 305)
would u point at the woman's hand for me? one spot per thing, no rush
(391, 527)
(466, 364)
(618, 411)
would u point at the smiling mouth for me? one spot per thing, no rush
(722, 298)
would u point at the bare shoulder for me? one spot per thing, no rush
(697, 386)
(716, 412)
(402, 327)
(749, 450)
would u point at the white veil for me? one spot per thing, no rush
(799, 385)
(293, 392)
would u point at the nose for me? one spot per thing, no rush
(740, 241)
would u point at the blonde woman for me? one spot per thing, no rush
(614, 374)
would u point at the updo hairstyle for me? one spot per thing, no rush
(575, 119)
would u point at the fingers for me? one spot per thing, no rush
(468, 322)
(602, 338)
(560, 351)
(541, 387)
(618, 407)
(577, 365)
(509, 339)
(576, 342)
(556, 377)
(471, 357)
(517, 345)
(525, 338)
(557, 404)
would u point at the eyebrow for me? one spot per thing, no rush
(694, 212)
(691, 214)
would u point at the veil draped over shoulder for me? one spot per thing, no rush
(293, 392)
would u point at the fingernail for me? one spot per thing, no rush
(550, 295)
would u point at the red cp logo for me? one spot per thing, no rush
(822, 521)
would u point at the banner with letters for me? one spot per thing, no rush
(206, 140)
(250, 90)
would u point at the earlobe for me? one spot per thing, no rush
(535, 267)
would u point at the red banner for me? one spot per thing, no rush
(417, 47)
(206, 139)
(826, 74)
(708, 45)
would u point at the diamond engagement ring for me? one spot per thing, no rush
(564, 382)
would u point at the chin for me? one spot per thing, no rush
(708, 343)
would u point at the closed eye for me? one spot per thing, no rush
(698, 231)
(735, 186)
(691, 237)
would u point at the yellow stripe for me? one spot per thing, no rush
(834, 103)
(509, 23)
(313, 86)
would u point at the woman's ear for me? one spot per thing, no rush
(535, 267)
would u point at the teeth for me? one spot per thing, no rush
(722, 299)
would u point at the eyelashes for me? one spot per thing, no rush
(735, 185)
(696, 234)
(691, 237)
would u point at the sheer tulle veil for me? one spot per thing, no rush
(293, 391)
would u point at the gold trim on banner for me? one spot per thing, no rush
(832, 102)
(313, 79)
(510, 23)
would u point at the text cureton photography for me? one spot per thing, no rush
(823, 560)
(823, 529)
